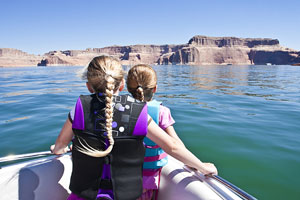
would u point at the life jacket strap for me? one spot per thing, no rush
(106, 184)
(106, 160)
(155, 158)
(152, 147)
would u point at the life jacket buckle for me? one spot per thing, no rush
(107, 160)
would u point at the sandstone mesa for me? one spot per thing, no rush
(200, 50)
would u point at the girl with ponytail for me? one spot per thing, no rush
(142, 84)
(107, 131)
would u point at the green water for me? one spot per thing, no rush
(245, 119)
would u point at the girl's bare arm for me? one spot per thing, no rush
(171, 131)
(177, 150)
(64, 138)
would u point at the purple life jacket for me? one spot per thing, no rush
(119, 174)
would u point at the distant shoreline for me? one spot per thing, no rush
(200, 50)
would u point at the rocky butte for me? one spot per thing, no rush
(200, 50)
(13, 58)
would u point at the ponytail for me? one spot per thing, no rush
(140, 93)
(141, 81)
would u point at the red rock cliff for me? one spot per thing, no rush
(14, 57)
(200, 50)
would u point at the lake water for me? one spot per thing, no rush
(245, 119)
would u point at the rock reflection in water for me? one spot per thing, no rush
(231, 80)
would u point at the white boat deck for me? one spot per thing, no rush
(48, 179)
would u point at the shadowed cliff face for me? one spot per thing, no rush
(200, 50)
(275, 57)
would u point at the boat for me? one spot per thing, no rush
(48, 178)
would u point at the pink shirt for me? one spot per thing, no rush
(165, 118)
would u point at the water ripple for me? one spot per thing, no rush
(243, 118)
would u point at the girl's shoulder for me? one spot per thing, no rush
(164, 109)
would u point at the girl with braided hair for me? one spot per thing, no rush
(107, 131)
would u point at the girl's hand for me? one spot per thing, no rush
(209, 169)
(52, 148)
(59, 151)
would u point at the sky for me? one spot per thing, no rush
(40, 26)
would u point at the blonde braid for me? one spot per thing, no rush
(109, 110)
(103, 70)
(88, 150)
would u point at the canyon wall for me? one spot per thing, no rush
(129, 55)
(200, 50)
(13, 57)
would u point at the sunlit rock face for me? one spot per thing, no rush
(203, 50)
(200, 50)
(13, 58)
